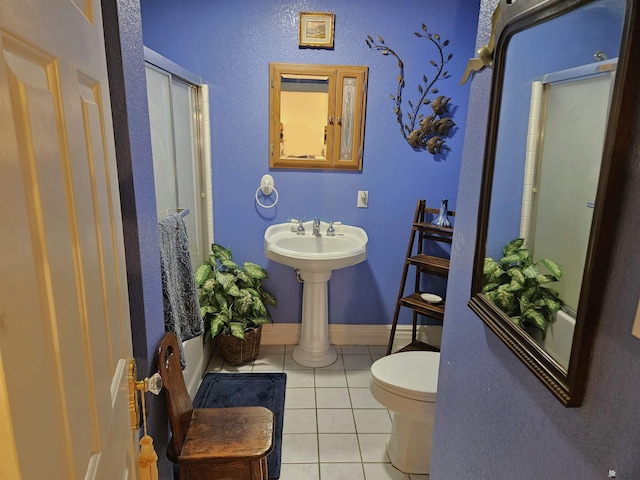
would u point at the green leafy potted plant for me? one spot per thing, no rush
(515, 285)
(233, 304)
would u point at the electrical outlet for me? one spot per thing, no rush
(363, 198)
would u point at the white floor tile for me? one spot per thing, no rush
(362, 398)
(377, 356)
(383, 471)
(228, 368)
(299, 448)
(266, 369)
(299, 471)
(338, 447)
(215, 363)
(300, 378)
(330, 378)
(355, 349)
(372, 421)
(341, 471)
(358, 378)
(336, 420)
(301, 420)
(300, 398)
(357, 362)
(378, 349)
(291, 364)
(332, 398)
(373, 447)
(270, 363)
(337, 365)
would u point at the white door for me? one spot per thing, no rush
(64, 314)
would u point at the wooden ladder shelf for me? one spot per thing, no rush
(422, 231)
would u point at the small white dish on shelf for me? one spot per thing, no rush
(431, 297)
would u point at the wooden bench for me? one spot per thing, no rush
(212, 443)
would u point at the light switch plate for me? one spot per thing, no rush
(635, 331)
(363, 198)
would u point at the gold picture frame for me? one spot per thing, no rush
(316, 29)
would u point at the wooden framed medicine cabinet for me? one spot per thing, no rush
(316, 118)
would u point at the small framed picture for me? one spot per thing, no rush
(316, 29)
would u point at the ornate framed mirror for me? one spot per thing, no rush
(557, 139)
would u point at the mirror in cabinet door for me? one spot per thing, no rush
(317, 116)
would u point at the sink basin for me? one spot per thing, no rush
(314, 258)
(315, 254)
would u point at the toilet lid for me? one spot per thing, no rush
(408, 374)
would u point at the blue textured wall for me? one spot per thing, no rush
(493, 418)
(230, 45)
(127, 84)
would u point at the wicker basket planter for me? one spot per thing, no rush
(237, 351)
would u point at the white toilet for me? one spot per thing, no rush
(406, 384)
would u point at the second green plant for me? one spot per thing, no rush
(515, 284)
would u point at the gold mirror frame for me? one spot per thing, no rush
(513, 16)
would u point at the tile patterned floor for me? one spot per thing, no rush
(333, 427)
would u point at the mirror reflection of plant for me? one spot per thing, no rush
(231, 297)
(433, 129)
(515, 285)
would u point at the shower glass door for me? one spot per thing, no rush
(574, 105)
(175, 142)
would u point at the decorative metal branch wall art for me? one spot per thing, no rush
(420, 131)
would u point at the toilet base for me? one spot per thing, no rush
(409, 446)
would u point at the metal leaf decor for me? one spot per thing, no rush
(420, 131)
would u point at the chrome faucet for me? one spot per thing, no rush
(331, 232)
(316, 227)
(300, 229)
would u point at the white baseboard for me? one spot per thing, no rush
(343, 334)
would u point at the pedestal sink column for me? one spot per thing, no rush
(315, 257)
(314, 349)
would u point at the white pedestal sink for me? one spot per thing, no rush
(315, 258)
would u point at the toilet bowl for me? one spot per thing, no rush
(406, 384)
